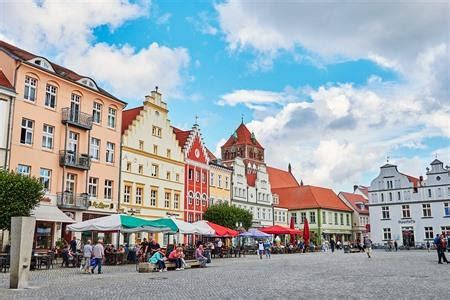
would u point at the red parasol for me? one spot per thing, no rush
(306, 232)
(222, 230)
(292, 226)
(277, 229)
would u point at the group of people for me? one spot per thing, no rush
(93, 257)
(264, 248)
(440, 242)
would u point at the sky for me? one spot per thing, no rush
(336, 88)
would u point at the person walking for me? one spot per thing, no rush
(441, 250)
(267, 246)
(332, 245)
(99, 254)
(437, 242)
(260, 249)
(395, 245)
(73, 245)
(368, 247)
(87, 254)
(428, 246)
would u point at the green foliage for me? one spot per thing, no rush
(226, 215)
(18, 196)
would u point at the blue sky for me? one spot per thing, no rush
(333, 94)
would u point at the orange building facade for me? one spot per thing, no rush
(65, 131)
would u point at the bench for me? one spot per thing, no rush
(146, 267)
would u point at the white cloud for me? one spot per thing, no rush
(202, 23)
(63, 31)
(163, 19)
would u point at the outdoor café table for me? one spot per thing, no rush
(37, 258)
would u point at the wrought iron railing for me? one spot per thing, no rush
(69, 158)
(76, 118)
(73, 201)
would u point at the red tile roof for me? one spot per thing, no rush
(364, 190)
(129, 115)
(251, 179)
(415, 181)
(244, 137)
(280, 178)
(4, 82)
(211, 155)
(181, 135)
(60, 70)
(355, 200)
(308, 196)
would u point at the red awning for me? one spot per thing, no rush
(222, 231)
(277, 229)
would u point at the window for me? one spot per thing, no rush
(97, 113)
(108, 189)
(387, 234)
(197, 199)
(191, 174)
(44, 177)
(439, 192)
(447, 208)
(426, 209)
(128, 166)
(406, 213)
(138, 196)
(111, 117)
(110, 152)
(47, 136)
(155, 149)
(168, 175)
(167, 200)
(50, 96)
(347, 217)
(302, 217)
(141, 169)
(126, 193)
(226, 182)
(399, 196)
(324, 217)
(197, 176)
(330, 218)
(429, 193)
(156, 131)
(385, 212)
(26, 134)
(190, 218)
(390, 196)
(382, 197)
(389, 184)
(177, 177)
(342, 219)
(203, 177)
(168, 153)
(211, 179)
(95, 148)
(429, 233)
(312, 217)
(30, 88)
(204, 200)
(24, 170)
(93, 187)
(336, 221)
(176, 201)
(190, 198)
(219, 180)
(264, 214)
(153, 197)
(155, 170)
(259, 213)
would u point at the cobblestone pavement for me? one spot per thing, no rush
(402, 275)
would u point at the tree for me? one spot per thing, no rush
(18, 196)
(226, 215)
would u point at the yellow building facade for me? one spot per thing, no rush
(152, 177)
(219, 183)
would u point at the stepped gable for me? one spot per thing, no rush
(128, 116)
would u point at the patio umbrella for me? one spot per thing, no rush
(276, 229)
(255, 233)
(118, 222)
(306, 232)
(292, 226)
(215, 229)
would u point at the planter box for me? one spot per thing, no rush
(145, 267)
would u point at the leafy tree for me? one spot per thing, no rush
(18, 196)
(226, 215)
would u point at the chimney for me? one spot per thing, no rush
(420, 178)
(289, 168)
(355, 187)
(301, 182)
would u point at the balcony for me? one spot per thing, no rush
(69, 200)
(68, 158)
(76, 118)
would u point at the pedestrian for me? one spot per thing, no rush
(441, 249)
(267, 247)
(99, 254)
(219, 247)
(436, 242)
(260, 249)
(428, 246)
(338, 245)
(395, 245)
(87, 254)
(73, 245)
(200, 257)
(332, 245)
(158, 259)
(368, 247)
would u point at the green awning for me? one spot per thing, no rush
(165, 222)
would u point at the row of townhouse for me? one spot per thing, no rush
(95, 158)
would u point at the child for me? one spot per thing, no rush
(158, 259)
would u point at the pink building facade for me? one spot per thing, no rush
(65, 131)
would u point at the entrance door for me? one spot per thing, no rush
(408, 236)
(73, 146)
(75, 108)
(71, 184)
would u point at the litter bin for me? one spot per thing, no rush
(346, 249)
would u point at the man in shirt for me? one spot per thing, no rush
(99, 253)
(87, 254)
(73, 245)
(153, 246)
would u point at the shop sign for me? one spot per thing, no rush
(70, 214)
(100, 205)
(410, 221)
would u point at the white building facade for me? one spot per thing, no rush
(407, 209)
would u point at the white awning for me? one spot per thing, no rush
(50, 213)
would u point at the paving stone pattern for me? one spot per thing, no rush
(388, 275)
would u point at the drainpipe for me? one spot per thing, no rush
(89, 157)
(8, 134)
(120, 173)
(11, 112)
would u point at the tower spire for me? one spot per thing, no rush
(242, 118)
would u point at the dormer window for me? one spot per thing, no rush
(88, 82)
(42, 62)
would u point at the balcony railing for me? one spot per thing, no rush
(68, 158)
(73, 201)
(76, 118)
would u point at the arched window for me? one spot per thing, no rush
(204, 199)
(197, 199)
(88, 82)
(190, 197)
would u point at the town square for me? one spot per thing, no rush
(224, 149)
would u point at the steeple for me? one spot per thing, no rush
(289, 168)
